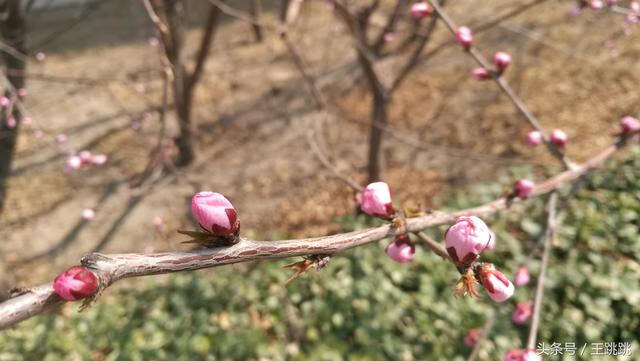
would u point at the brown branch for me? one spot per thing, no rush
(111, 268)
(537, 302)
(504, 86)
(205, 46)
(435, 246)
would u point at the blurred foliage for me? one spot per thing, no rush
(363, 306)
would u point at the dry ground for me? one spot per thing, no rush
(252, 112)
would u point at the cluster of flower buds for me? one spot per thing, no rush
(420, 10)
(75, 283)
(84, 159)
(522, 355)
(523, 188)
(376, 201)
(501, 60)
(522, 313)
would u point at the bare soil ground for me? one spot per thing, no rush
(252, 113)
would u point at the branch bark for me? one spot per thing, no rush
(111, 268)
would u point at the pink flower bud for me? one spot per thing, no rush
(401, 251)
(74, 163)
(376, 200)
(575, 10)
(88, 214)
(11, 122)
(522, 313)
(629, 124)
(215, 214)
(531, 355)
(75, 283)
(596, 4)
(635, 7)
(389, 37)
(523, 188)
(466, 239)
(98, 159)
(501, 60)
(464, 36)
(5, 102)
(153, 41)
(85, 156)
(27, 121)
(22, 92)
(420, 9)
(41, 56)
(61, 138)
(497, 285)
(534, 138)
(559, 138)
(481, 74)
(522, 277)
(513, 355)
(472, 337)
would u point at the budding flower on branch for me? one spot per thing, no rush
(522, 313)
(467, 238)
(523, 188)
(376, 200)
(401, 250)
(481, 73)
(73, 163)
(496, 283)
(522, 277)
(534, 138)
(215, 214)
(88, 214)
(629, 124)
(217, 217)
(75, 283)
(420, 10)
(501, 60)
(464, 36)
(559, 138)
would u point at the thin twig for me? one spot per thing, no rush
(435, 246)
(506, 88)
(549, 234)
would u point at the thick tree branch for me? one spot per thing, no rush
(111, 268)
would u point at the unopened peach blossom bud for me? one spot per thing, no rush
(464, 36)
(401, 250)
(215, 214)
(467, 239)
(534, 138)
(5, 102)
(497, 285)
(376, 200)
(501, 60)
(75, 283)
(98, 159)
(559, 138)
(522, 313)
(61, 138)
(481, 73)
(522, 276)
(629, 124)
(472, 337)
(88, 214)
(523, 188)
(420, 9)
(11, 122)
(73, 163)
(22, 92)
